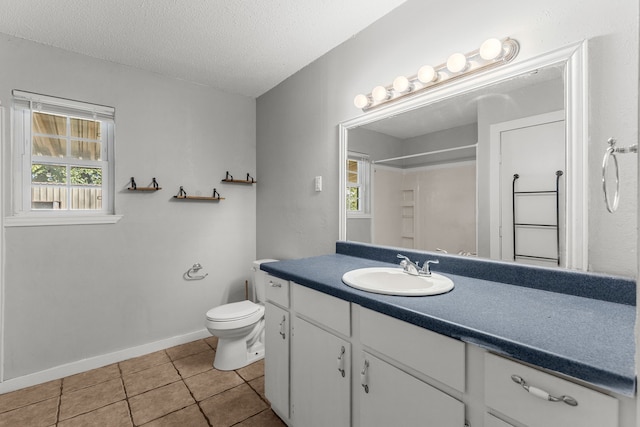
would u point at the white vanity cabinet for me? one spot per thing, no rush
(532, 408)
(277, 346)
(321, 360)
(329, 362)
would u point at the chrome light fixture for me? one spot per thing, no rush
(492, 53)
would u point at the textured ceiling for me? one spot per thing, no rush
(241, 46)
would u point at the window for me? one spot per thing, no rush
(63, 161)
(357, 184)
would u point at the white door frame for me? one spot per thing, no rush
(574, 230)
(2, 213)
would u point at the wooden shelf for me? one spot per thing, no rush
(239, 181)
(213, 199)
(144, 189)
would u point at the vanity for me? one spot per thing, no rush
(509, 345)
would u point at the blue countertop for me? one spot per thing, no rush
(580, 336)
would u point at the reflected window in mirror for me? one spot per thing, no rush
(358, 184)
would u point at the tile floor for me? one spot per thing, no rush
(173, 387)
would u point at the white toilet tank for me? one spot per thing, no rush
(260, 279)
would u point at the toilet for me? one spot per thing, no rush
(239, 326)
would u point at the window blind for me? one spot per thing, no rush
(63, 106)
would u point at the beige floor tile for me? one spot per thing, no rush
(258, 386)
(89, 378)
(151, 378)
(195, 364)
(209, 383)
(26, 396)
(212, 341)
(187, 417)
(90, 398)
(41, 414)
(265, 418)
(232, 406)
(159, 402)
(144, 362)
(252, 371)
(115, 415)
(188, 349)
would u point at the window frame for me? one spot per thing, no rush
(25, 104)
(364, 184)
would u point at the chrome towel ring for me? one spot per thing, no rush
(611, 153)
(196, 267)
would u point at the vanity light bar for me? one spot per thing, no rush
(492, 53)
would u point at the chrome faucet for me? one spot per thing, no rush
(413, 269)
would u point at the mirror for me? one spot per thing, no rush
(477, 167)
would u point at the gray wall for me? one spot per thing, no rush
(73, 292)
(377, 145)
(458, 136)
(297, 120)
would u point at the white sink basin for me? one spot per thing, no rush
(394, 281)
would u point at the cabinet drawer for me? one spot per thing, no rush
(594, 409)
(329, 311)
(278, 291)
(435, 355)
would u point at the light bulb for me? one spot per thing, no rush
(491, 49)
(379, 93)
(401, 84)
(457, 63)
(427, 74)
(361, 101)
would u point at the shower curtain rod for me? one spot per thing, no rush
(425, 153)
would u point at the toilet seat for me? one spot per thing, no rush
(235, 315)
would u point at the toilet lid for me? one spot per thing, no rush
(233, 311)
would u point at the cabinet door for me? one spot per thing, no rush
(321, 372)
(276, 358)
(391, 397)
(491, 421)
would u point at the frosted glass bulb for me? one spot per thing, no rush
(361, 101)
(401, 84)
(491, 49)
(379, 93)
(427, 74)
(457, 63)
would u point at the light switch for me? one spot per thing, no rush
(318, 182)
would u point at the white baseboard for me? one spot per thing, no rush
(97, 361)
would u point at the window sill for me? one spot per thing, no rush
(359, 216)
(33, 221)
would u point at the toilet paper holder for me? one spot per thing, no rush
(194, 269)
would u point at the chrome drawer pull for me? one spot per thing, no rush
(282, 327)
(275, 285)
(543, 394)
(364, 380)
(341, 361)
